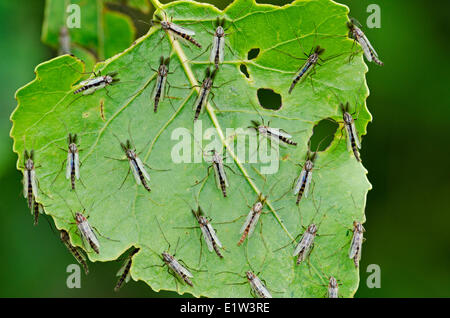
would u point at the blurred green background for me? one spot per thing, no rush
(405, 152)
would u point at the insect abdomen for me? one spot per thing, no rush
(77, 256)
(126, 270)
(288, 141)
(200, 104)
(187, 37)
(300, 75)
(355, 148)
(36, 213)
(30, 196)
(144, 182)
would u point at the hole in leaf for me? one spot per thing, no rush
(268, 99)
(323, 134)
(252, 54)
(244, 70)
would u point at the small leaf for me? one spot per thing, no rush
(337, 197)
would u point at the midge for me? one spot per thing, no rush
(258, 288)
(359, 36)
(272, 133)
(311, 61)
(176, 30)
(356, 243)
(89, 86)
(29, 178)
(205, 90)
(219, 172)
(86, 231)
(218, 45)
(136, 165)
(304, 180)
(353, 143)
(257, 285)
(333, 288)
(208, 232)
(124, 271)
(173, 264)
(158, 91)
(252, 219)
(306, 243)
(73, 160)
(74, 250)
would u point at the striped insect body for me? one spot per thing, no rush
(304, 180)
(257, 285)
(218, 45)
(310, 63)
(29, 179)
(304, 247)
(87, 232)
(73, 160)
(89, 86)
(274, 134)
(356, 243)
(252, 219)
(353, 143)
(208, 232)
(159, 89)
(219, 172)
(358, 35)
(74, 250)
(136, 165)
(205, 90)
(177, 30)
(124, 271)
(177, 268)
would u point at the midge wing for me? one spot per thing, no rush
(307, 184)
(300, 246)
(156, 87)
(348, 128)
(215, 46)
(223, 175)
(355, 135)
(69, 164)
(247, 221)
(221, 49)
(134, 168)
(33, 182)
(369, 45)
(216, 175)
(354, 246)
(142, 168)
(253, 224)
(182, 269)
(207, 237)
(122, 269)
(25, 183)
(365, 45)
(300, 180)
(77, 165)
(180, 29)
(262, 289)
(213, 234)
(279, 132)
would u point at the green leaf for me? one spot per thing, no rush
(102, 31)
(340, 186)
